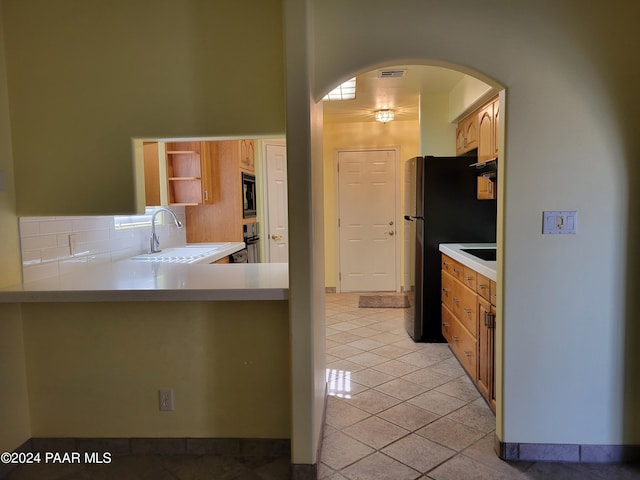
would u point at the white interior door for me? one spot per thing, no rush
(277, 228)
(367, 220)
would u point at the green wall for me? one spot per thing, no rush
(87, 77)
(14, 406)
(94, 370)
(567, 327)
(14, 413)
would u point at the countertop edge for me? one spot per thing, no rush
(132, 281)
(113, 296)
(483, 267)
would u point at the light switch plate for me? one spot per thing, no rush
(559, 222)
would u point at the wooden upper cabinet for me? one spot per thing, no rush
(151, 174)
(486, 133)
(190, 176)
(246, 152)
(488, 141)
(480, 130)
(467, 135)
(496, 130)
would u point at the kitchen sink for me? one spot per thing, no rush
(488, 254)
(179, 254)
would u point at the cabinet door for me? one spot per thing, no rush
(485, 133)
(151, 174)
(486, 189)
(496, 130)
(246, 152)
(460, 143)
(467, 134)
(485, 349)
(210, 178)
(471, 132)
(492, 359)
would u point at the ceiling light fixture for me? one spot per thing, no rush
(384, 116)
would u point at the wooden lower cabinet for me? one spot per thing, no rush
(461, 341)
(486, 351)
(468, 323)
(222, 260)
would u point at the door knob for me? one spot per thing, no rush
(390, 232)
(276, 236)
(391, 222)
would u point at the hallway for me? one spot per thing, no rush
(404, 411)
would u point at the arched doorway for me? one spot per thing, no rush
(353, 347)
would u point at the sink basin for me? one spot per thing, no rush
(488, 254)
(179, 254)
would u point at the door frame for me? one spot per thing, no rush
(398, 212)
(266, 249)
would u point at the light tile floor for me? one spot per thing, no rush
(401, 410)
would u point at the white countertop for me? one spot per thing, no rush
(483, 267)
(144, 281)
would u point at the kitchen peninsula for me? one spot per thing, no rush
(131, 281)
(101, 342)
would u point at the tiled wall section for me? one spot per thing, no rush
(46, 250)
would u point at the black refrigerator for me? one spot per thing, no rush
(440, 207)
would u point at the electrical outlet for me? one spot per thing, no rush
(166, 400)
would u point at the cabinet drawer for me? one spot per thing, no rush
(447, 320)
(469, 277)
(493, 298)
(464, 346)
(448, 290)
(448, 263)
(483, 287)
(455, 269)
(465, 308)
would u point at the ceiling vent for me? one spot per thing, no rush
(391, 73)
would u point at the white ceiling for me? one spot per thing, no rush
(399, 94)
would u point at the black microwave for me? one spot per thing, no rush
(248, 195)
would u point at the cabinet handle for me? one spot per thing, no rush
(456, 300)
(206, 195)
(456, 270)
(445, 264)
(483, 287)
(467, 353)
(468, 278)
(445, 325)
(455, 339)
(489, 320)
(467, 311)
(445, 290)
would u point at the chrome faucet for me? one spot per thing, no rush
(155, 241)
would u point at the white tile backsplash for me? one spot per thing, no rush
(45, 242)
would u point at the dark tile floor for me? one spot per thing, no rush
(163, 467)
